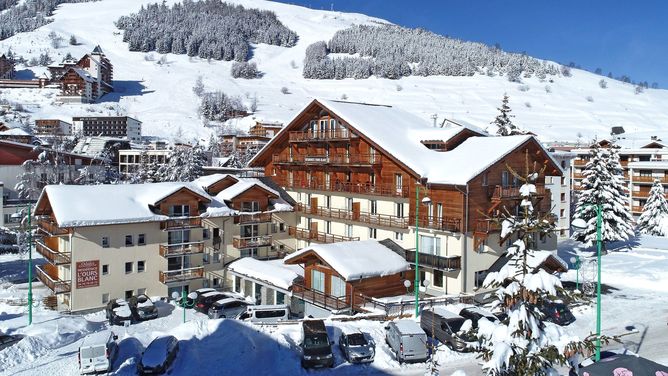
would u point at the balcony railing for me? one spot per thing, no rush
(649, 179)
(50, 227)
(246, 218)
(366, 159)
(239, 242)
(320, 299)
(384, 220)
(640, 194)
(54, 257)
(636, 209)
(501, 192)
(177, 223)
(348, 187)
(319, 237)
(52, 282)
(167, 250)
(487, 226)
(181, 274)
(437, 262)
(326, 135)
(440, 223)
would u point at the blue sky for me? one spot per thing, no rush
(618, 36)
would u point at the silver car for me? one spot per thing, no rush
(227, 308)
(356, 347)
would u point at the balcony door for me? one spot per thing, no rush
(398, 183)
(250, 206)
(317, 280)
(249, 231)
(178, 237)
(338, 287)
(179, 211)
(505, 179)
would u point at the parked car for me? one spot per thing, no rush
(447, 327)
(97, 352)
(229, 308)
(266, 313)
(476, 313)
(315, 346)
(356, 347)
(158, 355)
(204, 301)
(407, 340)
(118, 311)
(557, 313)
(191, 298)
(142, 308)
(9, 340)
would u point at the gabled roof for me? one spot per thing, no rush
(354, 260)
(273, 272)
(376, 122)
(242, 186)
(208, 180)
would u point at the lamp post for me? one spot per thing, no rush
(580, 224)
(576, 260)
(416, 284)
(184, 301)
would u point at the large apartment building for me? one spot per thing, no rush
(85, 80)
(108, 126)
(114, 241)
(361, 171)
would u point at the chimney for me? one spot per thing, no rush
(434, 117)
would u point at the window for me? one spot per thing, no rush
(328, 227)
(280, 297)
(179, 211)
(216, 282)
(141, 266)
(128, 267)
(205, 258)
(128, 294)
(349, 203)
(317, 280)
(105, 269)
(562, 212)
(216, 257)
(250, 206)
(206, 233)
(563, 197)
(105, 298)
(398, 182)
(128, 241)
(398, 236)
(178, 237)
(328, 202)
(481, 246)
(141, 291)
(484, 179)
(372, 233)
(141, 239)
(438, 278)
(373, 206)
(105, 242)
(479, 278)
(338, 286)
(237, 284)
(505, 181)
(399, 210)
(430, 245)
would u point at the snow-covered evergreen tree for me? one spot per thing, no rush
(524, 344)
(504, 124)
(185, 164)
(654, 213)
(603, 184)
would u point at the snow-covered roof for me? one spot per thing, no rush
(242, 186)
(409, 327)
(208, 180)
(356, 259)
(76, 205)
(15, 132)
(273, 272)
(83, 74)
(94, 146)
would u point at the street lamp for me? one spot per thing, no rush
(575, 260)
(416, 285)
(184, 301)
(581, 224)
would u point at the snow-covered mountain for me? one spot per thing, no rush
(159, 93)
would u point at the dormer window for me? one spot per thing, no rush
(179, 211)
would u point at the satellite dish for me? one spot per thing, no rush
(175, 295)
(407, 283)
(426, 283)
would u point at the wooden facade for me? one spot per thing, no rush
(6, 68)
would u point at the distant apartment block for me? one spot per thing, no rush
(85, 80)
(129, 160)
(109, 126)
(53, 127)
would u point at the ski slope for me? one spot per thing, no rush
(161, 95)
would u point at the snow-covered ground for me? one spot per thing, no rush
(161, 94)
(637, 301)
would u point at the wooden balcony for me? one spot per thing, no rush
(636, 209)
(640, 194)
(249, 218)
(386, 190)
(441, 224)
(180, 275)
(384, 220)
(48, 275)
(580, 162)
(486, 226)
(318, 237)
(178, 223)
(239, 242)
(53, 256)
(650, 179)
(578, 175)
(513, 193)
(319, 299)
(50, 227)
(356, 160)
(169, 250)
(450, 263)
(322, 136)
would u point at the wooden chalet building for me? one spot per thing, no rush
(6, 68)
(359, 171)
(87, 80)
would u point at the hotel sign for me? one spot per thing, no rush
(88, 274)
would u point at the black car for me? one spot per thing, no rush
(315, 346)
(118, 311)
(475, 314)
(557, 313)
(205, 301)
(158, 356)
(193, 296)
(142, 308)
(7, 340)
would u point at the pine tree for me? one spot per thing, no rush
(603, 184)
(185, 164)
(654, 213)
(503, 122)
(523, 343)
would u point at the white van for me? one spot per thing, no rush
(97, 352)
(266, 313)
(407, 340)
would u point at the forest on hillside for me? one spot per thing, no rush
(391, 51)
(207, 29)
(27, 16)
